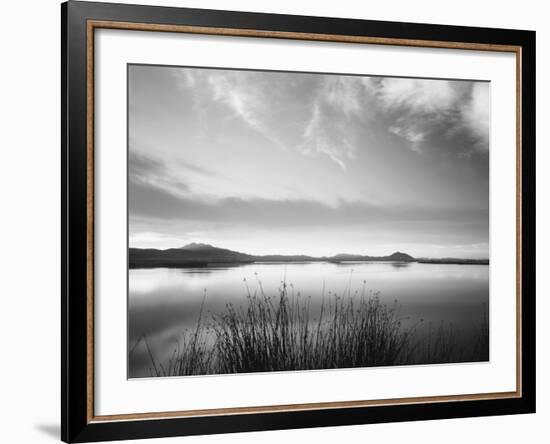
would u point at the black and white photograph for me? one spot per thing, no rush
(285, 221)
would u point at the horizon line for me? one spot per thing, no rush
(309, 255)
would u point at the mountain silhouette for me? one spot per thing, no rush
(193, 246)
(199, 254)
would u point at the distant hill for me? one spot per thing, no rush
(395, 257)
(201, 255)
(402, 257)
(452, 260)
(191, 255)
(193, 246)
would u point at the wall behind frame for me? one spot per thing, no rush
(30, 208)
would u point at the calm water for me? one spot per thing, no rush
(163, 302)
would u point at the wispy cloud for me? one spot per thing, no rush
(410, 133)
(419, 95)
(147, 170)
(322, 136)
(322, 110)
(325, 113)
(245, 102)
(152, 201)
(424, 109)
(244, 94)
(476, 114)
(341, 106)
(344, 93)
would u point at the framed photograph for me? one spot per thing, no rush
(276, 221)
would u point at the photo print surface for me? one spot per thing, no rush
(287, 221)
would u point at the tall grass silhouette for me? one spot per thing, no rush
(280, 333)
(276, 334)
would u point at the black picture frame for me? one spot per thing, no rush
(76, 327)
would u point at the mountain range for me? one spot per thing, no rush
(198, 254)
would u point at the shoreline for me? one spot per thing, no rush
(197, 264)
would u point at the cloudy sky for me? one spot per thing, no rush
(277, 162)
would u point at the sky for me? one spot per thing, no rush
(269, 162)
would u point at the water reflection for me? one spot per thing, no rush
(164, 302)
(400, 264)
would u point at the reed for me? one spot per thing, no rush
(280, 333)
(277, 334)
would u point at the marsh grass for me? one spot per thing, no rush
(192, 353)
(278, 333)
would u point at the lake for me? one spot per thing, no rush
(163, 302)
